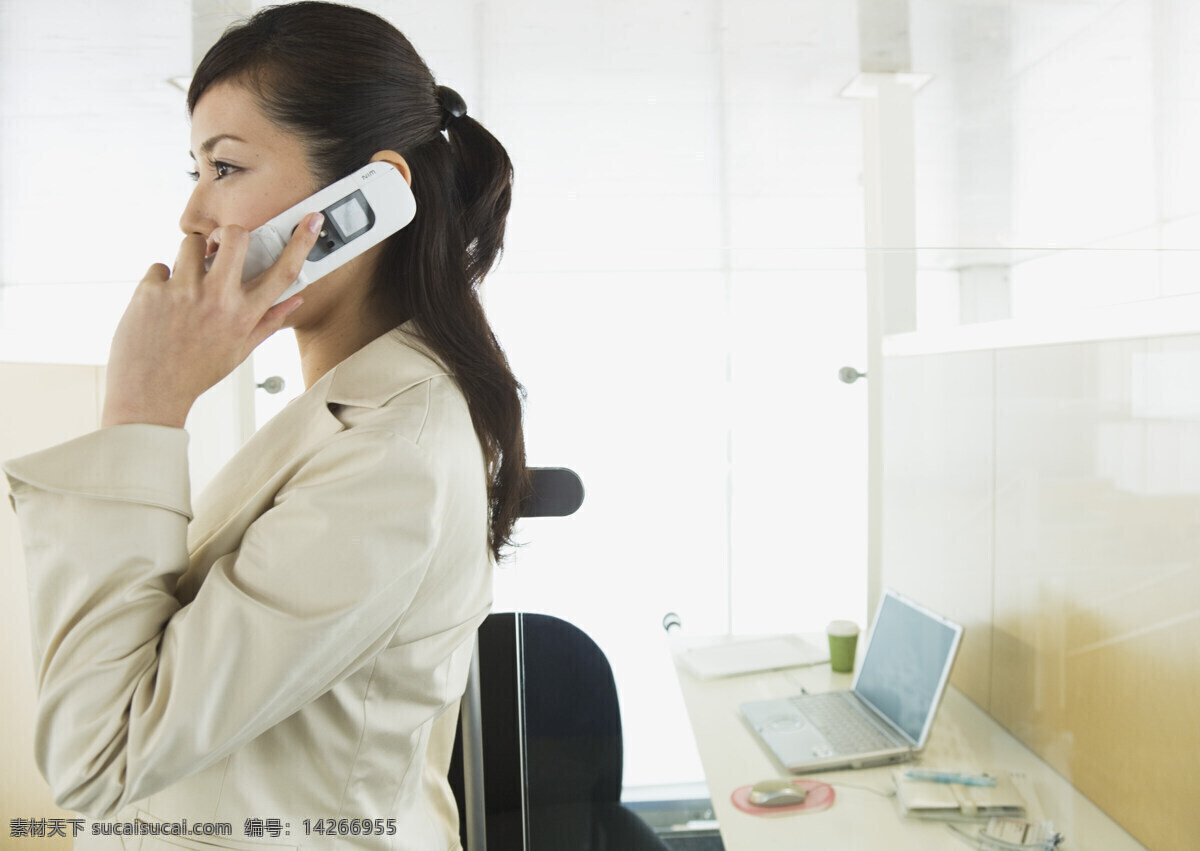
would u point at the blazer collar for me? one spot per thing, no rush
(382, 370)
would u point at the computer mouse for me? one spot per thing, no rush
(777, 793)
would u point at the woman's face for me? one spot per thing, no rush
(247, 169)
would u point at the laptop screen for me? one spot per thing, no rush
(906, 664)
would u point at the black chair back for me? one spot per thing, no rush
(546, 726)
(561, 791)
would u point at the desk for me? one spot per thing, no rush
(963, 736)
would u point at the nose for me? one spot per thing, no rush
(196, 217)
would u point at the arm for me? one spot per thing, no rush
(136, 692)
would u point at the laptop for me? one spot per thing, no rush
(886, 715)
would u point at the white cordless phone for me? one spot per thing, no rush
(361, 210)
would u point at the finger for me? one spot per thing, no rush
(191, 254)
(273, 320)
(159, 273)
(232, 243)
(284, 271)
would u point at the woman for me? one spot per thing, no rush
(290, 660)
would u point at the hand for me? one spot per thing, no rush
(185, 330)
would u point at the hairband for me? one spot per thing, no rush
(453, 106)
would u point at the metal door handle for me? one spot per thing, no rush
(272, 385)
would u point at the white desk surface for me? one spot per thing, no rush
(963, 737)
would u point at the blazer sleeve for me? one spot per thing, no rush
(136, 691)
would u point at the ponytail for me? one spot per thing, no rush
(457, 241)
(485, 186)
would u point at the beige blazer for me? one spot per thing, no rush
(292, 655)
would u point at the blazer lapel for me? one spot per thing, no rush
(236, 495)
(246, 486)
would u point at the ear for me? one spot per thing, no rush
(398, 161)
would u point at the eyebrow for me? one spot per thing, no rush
(207, 147)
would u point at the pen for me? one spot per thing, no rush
(933, 776)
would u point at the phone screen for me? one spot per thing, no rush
(351, 216)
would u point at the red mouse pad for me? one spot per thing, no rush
(820, 797)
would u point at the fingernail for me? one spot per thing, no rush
(314, 222)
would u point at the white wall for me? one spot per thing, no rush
(93, 148)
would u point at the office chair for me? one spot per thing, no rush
(537, 764)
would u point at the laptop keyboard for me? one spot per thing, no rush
(844, 727)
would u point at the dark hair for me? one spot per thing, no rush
(349, 84)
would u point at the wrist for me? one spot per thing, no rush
(126, 412)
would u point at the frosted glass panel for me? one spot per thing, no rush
(1064, 136)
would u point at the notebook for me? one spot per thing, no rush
(888, 712)
(956, 802)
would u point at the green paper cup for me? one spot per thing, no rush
(843, 642)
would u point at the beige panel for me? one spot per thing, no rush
(937, 523)
(43, 405)
(1097, 631)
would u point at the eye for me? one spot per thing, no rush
(221, 170)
